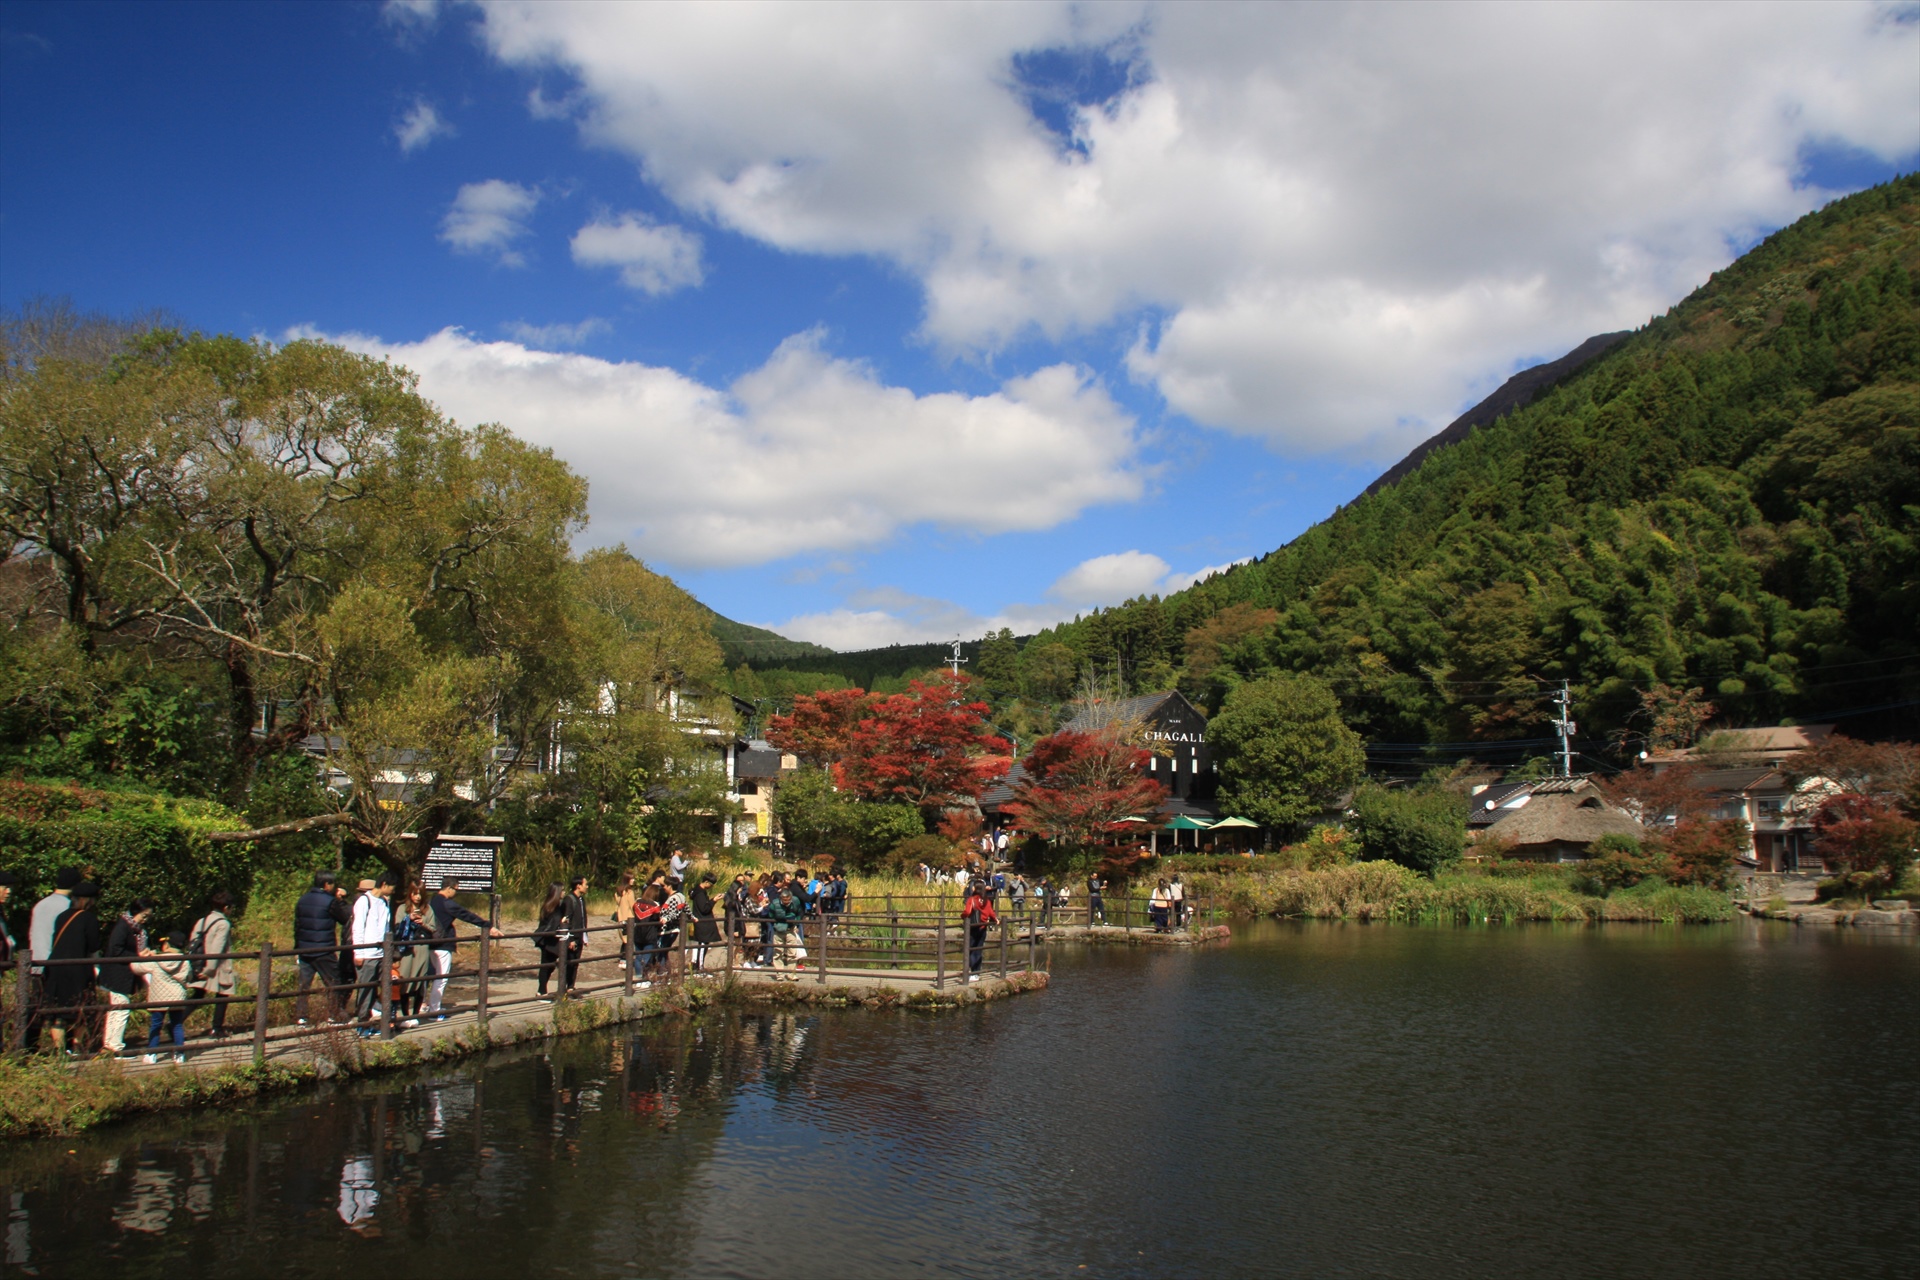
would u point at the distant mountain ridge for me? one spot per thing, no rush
(740, 643)
(1516, 392)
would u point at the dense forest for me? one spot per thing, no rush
(1727, 502)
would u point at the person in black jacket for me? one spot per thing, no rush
(76, 935)
(126, 942)
(318, 917)
(440, 953)
(7, 943)
(576, 932)
(706, 932)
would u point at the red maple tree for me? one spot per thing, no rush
(822, 724)
(1081, 786)
(926, 747)
(1867, 836)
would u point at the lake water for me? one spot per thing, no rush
(1311, 1100)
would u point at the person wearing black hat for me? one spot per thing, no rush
(7, 944)
(76, 935)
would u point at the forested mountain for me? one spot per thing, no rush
(1728, 500)
(756, 645)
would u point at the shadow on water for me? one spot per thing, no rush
(1311, 1100)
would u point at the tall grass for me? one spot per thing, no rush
(1387, 891)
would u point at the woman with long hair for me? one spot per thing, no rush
(623, 899)
(706, 931)
(1159, 905)
(552, 931)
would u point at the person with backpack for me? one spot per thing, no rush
(371, 920)
(318, 918)
(126, 942)
(673, 916)
(213, 972)
(1096, 904)
(788, 917)
(979, 914)
(440, 955)
(646, 929)
(76, 935)
(1177, 902)
(166, 977)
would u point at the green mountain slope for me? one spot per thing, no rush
(754, 645)
(1729, 500)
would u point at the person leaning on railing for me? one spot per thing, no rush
(440, 955)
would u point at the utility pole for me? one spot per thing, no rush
(1565, 727)
(955, 661)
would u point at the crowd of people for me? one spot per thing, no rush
(386, 945)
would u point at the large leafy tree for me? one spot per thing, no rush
(927, 747)
(1423, 829)
(821, 726)
(1283, 751)
(1081, 787)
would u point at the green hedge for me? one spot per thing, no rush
(139, 844)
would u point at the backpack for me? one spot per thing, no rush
(196, 951)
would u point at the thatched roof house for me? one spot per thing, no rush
(1552, 820)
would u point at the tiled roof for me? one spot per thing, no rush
(1739, 780)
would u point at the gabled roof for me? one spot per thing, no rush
(1740, 780)
(1001, 790)
(761, 759)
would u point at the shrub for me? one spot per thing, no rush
(904, 858)
(139, 845)
(1424, 831)
(1702, 851)
(1617, 862)
(1325, 846)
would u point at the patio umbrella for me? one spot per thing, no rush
(1234, 822)
(1182, 822)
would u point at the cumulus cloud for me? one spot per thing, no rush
(548, 336)
(421, 124)
(1340, 222)
(808, 452)
(881, 616)
(410, 15)
(488, 217)
(653, 259)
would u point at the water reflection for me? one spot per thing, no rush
(1313, 1102)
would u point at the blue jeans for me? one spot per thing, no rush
(175, 1019)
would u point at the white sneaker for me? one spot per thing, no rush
(410, 1022)
(643, 985)
(179, 1059)
(150, 1058)
(973, 977)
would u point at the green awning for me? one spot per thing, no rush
(1184, 823)
(1234, 822)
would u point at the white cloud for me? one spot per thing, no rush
(653, 259)
(1110, 579)
(421, 124)
(487, 217)
(411, 15)
(886, 615)
(805, 453)
(1344, 220)
(549, 336)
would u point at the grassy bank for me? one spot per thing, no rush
(42, 1096)
(1389, 892)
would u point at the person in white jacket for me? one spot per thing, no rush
(372, 918)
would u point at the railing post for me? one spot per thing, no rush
(940, 948)
(823, 948)
(480, 1000)
(1003, 949)
(23, 973)
(893, 933)
(1032, 937)
(385, 989)
(260, 1003)
(731, 937)
(626, 957)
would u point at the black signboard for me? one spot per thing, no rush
(472, 860)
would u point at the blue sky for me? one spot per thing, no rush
(881, 323)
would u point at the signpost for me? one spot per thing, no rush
(472, 860)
